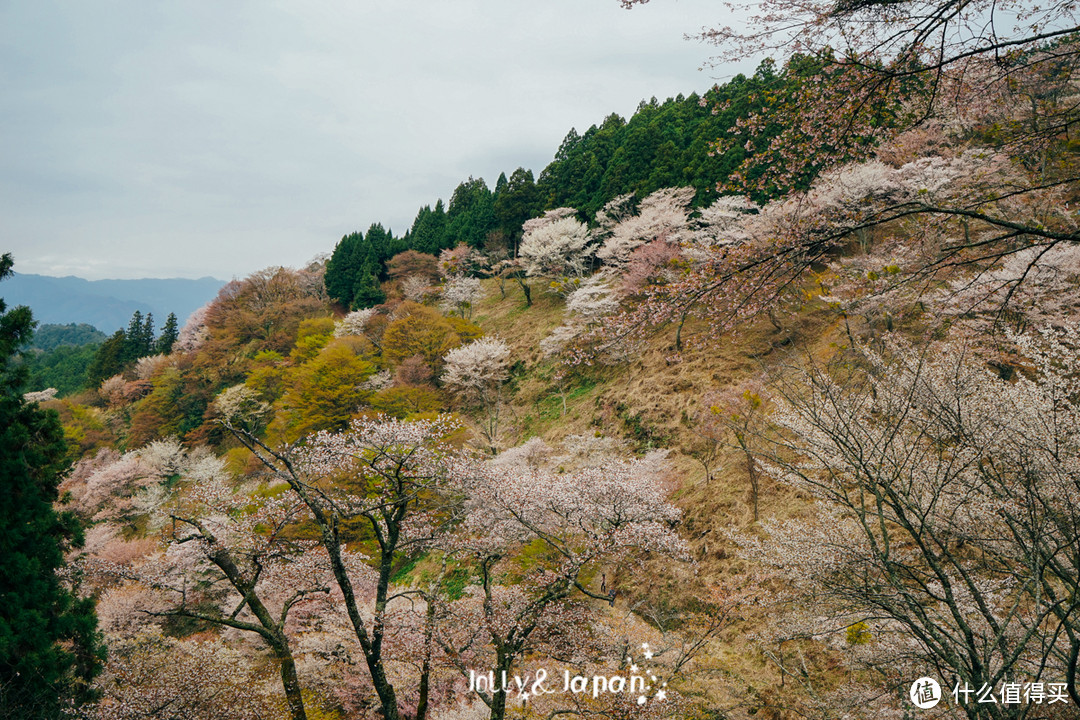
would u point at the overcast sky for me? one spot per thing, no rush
(147, 139)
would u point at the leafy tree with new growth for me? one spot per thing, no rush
(49, 646)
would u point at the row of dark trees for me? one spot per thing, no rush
(665, 144)
(124, 347)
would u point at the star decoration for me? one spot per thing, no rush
(661, 694)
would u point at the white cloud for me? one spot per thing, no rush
(217, 138)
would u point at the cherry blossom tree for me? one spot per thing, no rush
(222, 539)
(476, 372)
(355, 323)
(556, 246)
(152, 677)
(415, 287)
(736, 417)
(402, 481)
(459, 294)
(566, 524)
(947, 513)
(660, 216)
(877, 82)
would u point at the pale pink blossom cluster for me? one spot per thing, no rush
(113, 486)
(945, 496)
(555, 246)
(39, 396)
(459, 294)
(354, 323)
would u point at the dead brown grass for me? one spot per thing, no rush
(651, 402)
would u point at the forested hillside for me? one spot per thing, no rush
(761, 404)
(682, 142)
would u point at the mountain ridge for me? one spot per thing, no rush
(108, 304)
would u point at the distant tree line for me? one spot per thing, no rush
(677, 143)
(124, 347)
(74, 357)
(58, 355)
(49, 337)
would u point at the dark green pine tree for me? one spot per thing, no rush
(341, 269)
(367, 291)
(471, 215)
(382, 245)
(428, 232)
(133, 338)
(146, 336)
(518, 201)
(108, 361)
(50, 649)
(169, 334)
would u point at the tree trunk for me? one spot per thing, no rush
(752, 472)
(1070, 673)
(503, 660)
(290, 682)
(425, 669)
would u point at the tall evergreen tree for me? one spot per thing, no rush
(133, 338)
(368, 292)
(169, 333)
(471, 215)
(109, 359)
(428, 232)
(341, 269)
(518, 202)
(49, 645)
(146, 336)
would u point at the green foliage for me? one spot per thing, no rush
(120, 351)
(325, 392)
(85, 429)
(638, 429)
(428, 232)
(109, 359)
(423, 331)
(49, 645)
(471, 215)
(267, 376)
(167, 410)
(49, 337)
(455, 582)
(858, 634)
(139, 337)
(64, 368)
(407, 400)
(169, 334)
(684, 141)
(516, 202)
(356, 266)
(312, 337)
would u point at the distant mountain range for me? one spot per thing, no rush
(107, 304)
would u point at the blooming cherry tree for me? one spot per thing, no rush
(555, 246)
(476, 372)
(565, 523)
(946, 499)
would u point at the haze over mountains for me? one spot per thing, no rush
(107, 304)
